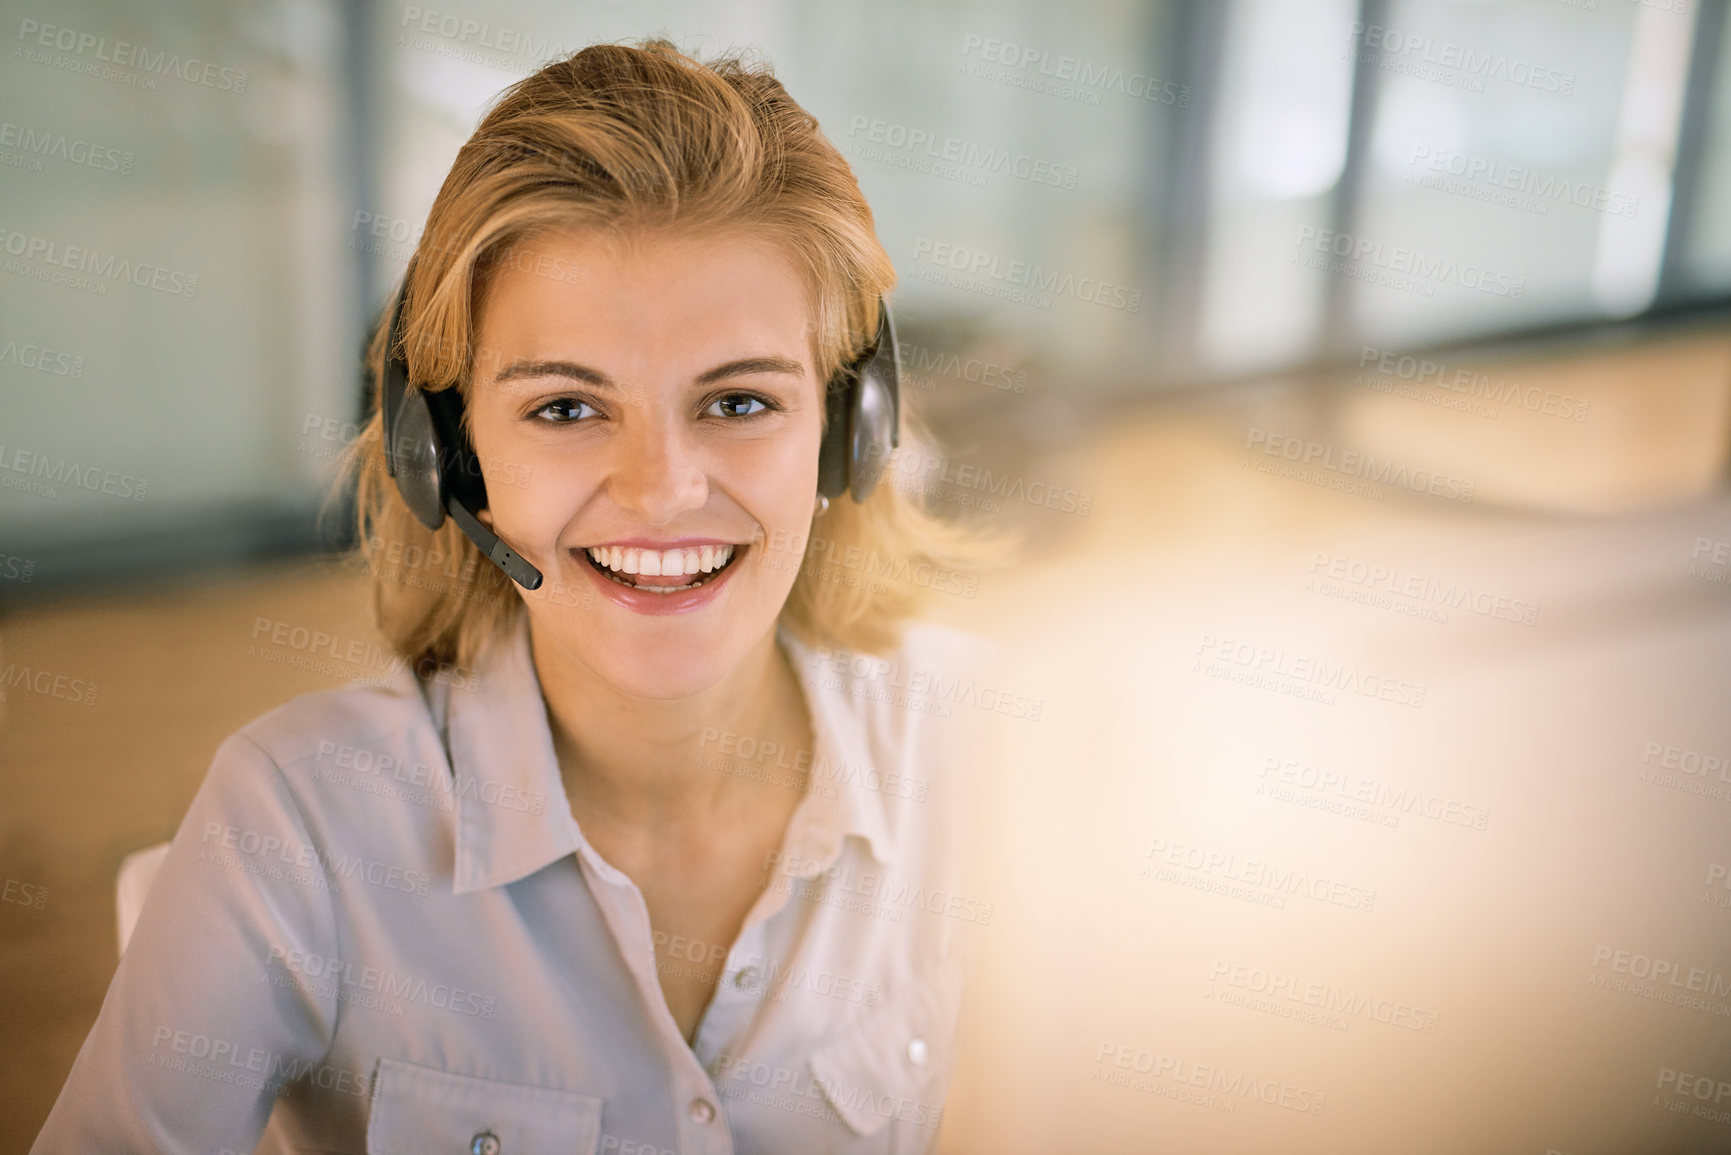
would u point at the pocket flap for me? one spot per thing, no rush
(418, 1111)
(879, 1071)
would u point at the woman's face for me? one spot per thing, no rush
(655, 398)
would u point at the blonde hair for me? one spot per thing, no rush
(618, 137)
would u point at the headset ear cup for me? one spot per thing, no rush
(876, 417)
(869, 443)
(416, 452)
(459, 466)
(832, 458)
(863, 409)
(412, 449)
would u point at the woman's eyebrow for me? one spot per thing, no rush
(523, 370)
(747, 365)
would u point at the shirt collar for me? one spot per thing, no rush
(513, 816)
(843, 789)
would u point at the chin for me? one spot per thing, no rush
(667, 674)
(646, 657)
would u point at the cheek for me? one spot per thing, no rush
(783, 477)
(521, 482)
(536, 493)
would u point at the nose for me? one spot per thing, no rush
(658, 473)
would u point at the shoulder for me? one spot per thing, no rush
(949, 675)
(925, 653)
(355, 769)
(947, 648)
(307, 726)
(360, 724)
(918, 703)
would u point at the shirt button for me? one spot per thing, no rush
(485, 1143)
(917, 1052)
(701, 1111)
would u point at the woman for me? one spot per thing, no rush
(639, 851)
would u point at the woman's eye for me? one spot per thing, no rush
(563, 410)
(733, 405)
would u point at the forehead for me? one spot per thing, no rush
(645, 290)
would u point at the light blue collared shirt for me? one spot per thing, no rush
(379, 928)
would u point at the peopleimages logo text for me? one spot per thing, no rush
(58, 471)
(1058, 282)
(90, 262)
(1542, 186)
(1070, 75)
(124, 55)
(46, 142)
(1442, 375)
(1392, 48)
(966, 153)
(1413, 262)
(1354, 463)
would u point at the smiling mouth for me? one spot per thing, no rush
(633, 582)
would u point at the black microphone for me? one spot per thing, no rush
(496, 550)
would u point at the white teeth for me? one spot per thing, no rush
(706, 559)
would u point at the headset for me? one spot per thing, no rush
(437, 472)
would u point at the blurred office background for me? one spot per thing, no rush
(1175, 260)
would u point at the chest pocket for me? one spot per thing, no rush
(421, 1111)
(887, 1076)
